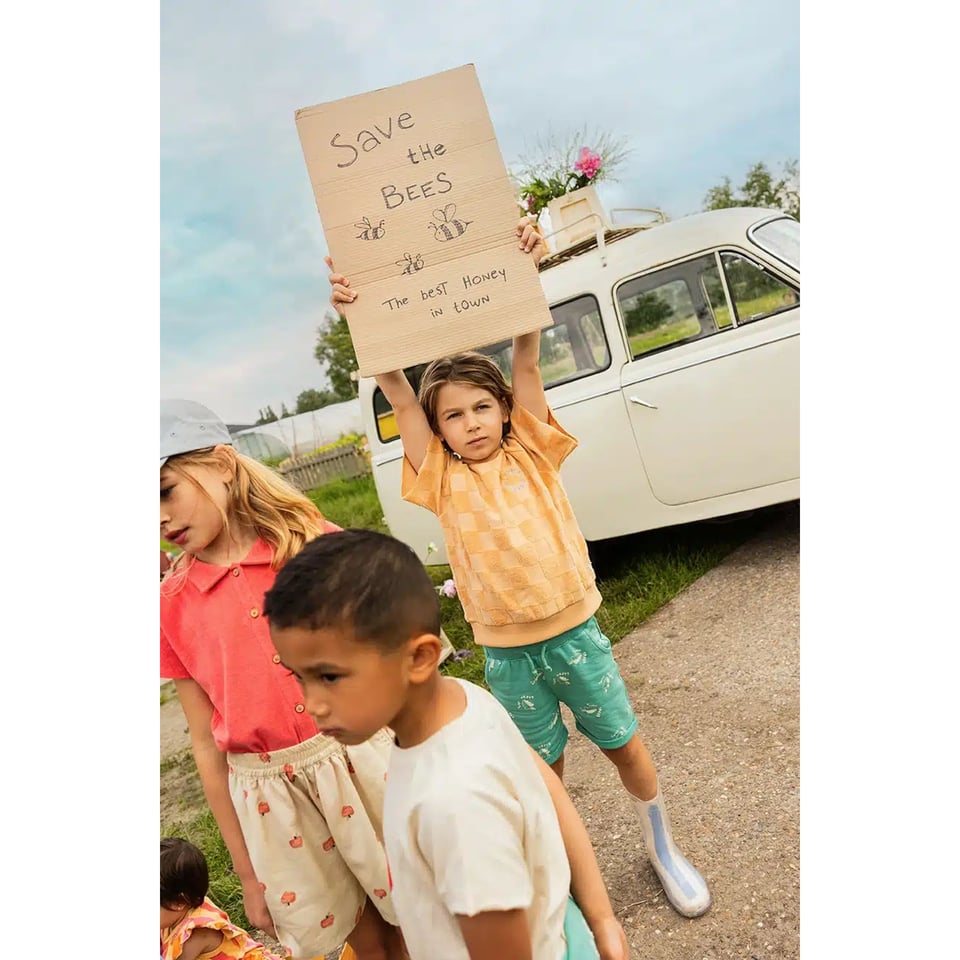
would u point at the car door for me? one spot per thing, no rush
(712, 383)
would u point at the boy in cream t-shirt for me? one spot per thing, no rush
(482, 841)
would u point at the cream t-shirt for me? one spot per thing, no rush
(469, 827)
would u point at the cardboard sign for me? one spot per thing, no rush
(419, 214)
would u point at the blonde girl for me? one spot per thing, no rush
(299, 813)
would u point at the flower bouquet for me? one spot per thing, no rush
(561, 169)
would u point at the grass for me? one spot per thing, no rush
(351, 503)
(636, 575)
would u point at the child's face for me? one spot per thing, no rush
(351, 689)
(471, 420)
(189, 517)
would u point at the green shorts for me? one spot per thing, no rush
(576, 668)
(580, 942)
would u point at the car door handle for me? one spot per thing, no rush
(643, 403)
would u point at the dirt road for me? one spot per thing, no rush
(714, 677)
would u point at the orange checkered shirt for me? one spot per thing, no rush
(518, 557)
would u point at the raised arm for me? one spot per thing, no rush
(412, 423)
(586, 881)
(212, 768)
(525, 376)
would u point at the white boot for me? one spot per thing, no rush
(686, 890)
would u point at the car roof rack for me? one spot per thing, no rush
(601, 238)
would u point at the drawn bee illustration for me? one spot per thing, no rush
(591, 709)
(579, 657)
(449, 228)
(410, 264)
(605, 681)
(562, 677)
(526, 703)
(368, 231)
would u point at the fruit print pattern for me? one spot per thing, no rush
(307, 904)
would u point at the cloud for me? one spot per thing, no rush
(699, 89)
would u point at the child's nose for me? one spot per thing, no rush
(315, 704)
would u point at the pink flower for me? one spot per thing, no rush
(448, 589)
(588, 163)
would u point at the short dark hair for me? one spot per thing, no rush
(365, 581)
(184, 876)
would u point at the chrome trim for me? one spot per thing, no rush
(703, 360)
(591, 396)
(731, 306)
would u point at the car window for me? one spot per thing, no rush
(672, 306)
(780, 238)
(574, 347)
(756, 292)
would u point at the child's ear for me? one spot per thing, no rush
(424, 654)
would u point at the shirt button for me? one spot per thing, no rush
(276, 658)
(254, 612)
(299, 708)
(236, 571)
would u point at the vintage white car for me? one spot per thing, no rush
(674, 358)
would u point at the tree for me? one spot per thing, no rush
(284, 412)
(647, 313)
(267, 416)
(308, 400)
(760, 189)
(334, 351)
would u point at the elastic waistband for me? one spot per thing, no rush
(315, 750)
(513, 653)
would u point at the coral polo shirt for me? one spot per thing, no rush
(212, 630)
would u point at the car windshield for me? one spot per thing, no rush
(780, 238)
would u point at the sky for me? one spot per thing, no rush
(695, 90)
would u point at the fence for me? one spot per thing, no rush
(315, 470)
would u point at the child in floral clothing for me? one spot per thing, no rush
(191, 924)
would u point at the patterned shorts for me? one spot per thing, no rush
(576, 668)
(312, 818)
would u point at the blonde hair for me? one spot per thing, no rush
(471, 368)
(259, 498)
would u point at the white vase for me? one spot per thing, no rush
(575, 216)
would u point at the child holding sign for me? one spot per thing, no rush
(484, 456)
